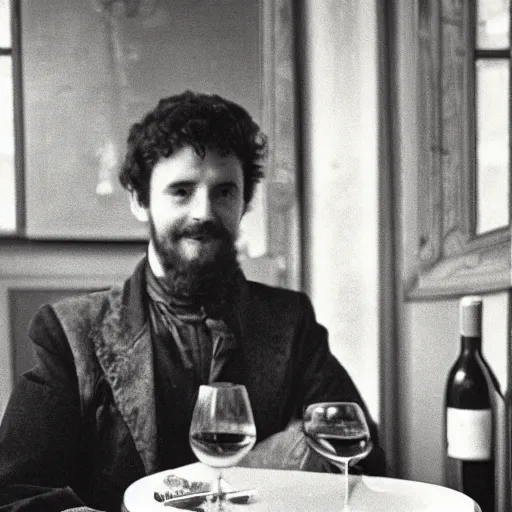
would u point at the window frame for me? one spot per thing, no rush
(450, 258)
(19, 154)
(14, 53)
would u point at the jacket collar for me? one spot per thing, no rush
(124, 350)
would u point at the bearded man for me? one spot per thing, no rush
(111, 396)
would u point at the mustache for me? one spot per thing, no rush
(206, 229)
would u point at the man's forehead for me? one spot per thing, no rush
(186, 164)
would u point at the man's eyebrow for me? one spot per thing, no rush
(231, 184)
(181, 183)
(192, 183)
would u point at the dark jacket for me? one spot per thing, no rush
(81, 425)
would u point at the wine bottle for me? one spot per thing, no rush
(469, 413)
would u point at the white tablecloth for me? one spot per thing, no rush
(298, 491)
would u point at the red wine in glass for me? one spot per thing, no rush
(222, 430)
(338, 431)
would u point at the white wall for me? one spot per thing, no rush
(341, 171)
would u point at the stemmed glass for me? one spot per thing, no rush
(339, 432)
(222, 431)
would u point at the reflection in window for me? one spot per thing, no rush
(492, 78)
(7, 175)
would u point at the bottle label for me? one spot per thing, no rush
(469, 433)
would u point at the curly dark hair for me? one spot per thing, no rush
(202, 121)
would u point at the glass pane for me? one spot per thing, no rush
(493, 159)
(493, 24)
(5, 24)
(7, 178)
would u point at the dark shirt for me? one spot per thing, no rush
(175, 391)
(181, 354)
(183, 338)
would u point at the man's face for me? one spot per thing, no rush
(195, 207)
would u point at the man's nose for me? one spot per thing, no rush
(202, 207)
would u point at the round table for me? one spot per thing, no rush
(300, 491)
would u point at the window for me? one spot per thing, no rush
(463, 183)
(7, 167)
(492, 71)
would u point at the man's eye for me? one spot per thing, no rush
(180, 192)
(227, 192)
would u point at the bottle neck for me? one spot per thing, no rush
(470, 344)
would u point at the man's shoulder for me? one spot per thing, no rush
(88, 306)
(54, 323)
(276, 297)
(257, 288)
(100, 301)
(91, 297)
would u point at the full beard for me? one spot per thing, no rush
(210, 279)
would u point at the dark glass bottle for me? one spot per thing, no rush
(469, 414)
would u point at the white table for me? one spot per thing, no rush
(299, 491)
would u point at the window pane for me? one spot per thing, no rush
(493, 24)
(7, 181)
(492, 82)
(5, 24)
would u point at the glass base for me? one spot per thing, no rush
(217, 504)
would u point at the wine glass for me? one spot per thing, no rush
(339, 432)
(222, 431)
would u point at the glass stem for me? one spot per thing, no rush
(218, 489)
(345, 501)
(218, 483)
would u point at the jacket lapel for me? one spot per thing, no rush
(124, 350)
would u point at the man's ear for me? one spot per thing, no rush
(141, 212)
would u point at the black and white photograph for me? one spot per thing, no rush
(255, 255)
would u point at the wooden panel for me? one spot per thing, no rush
(429, 227)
